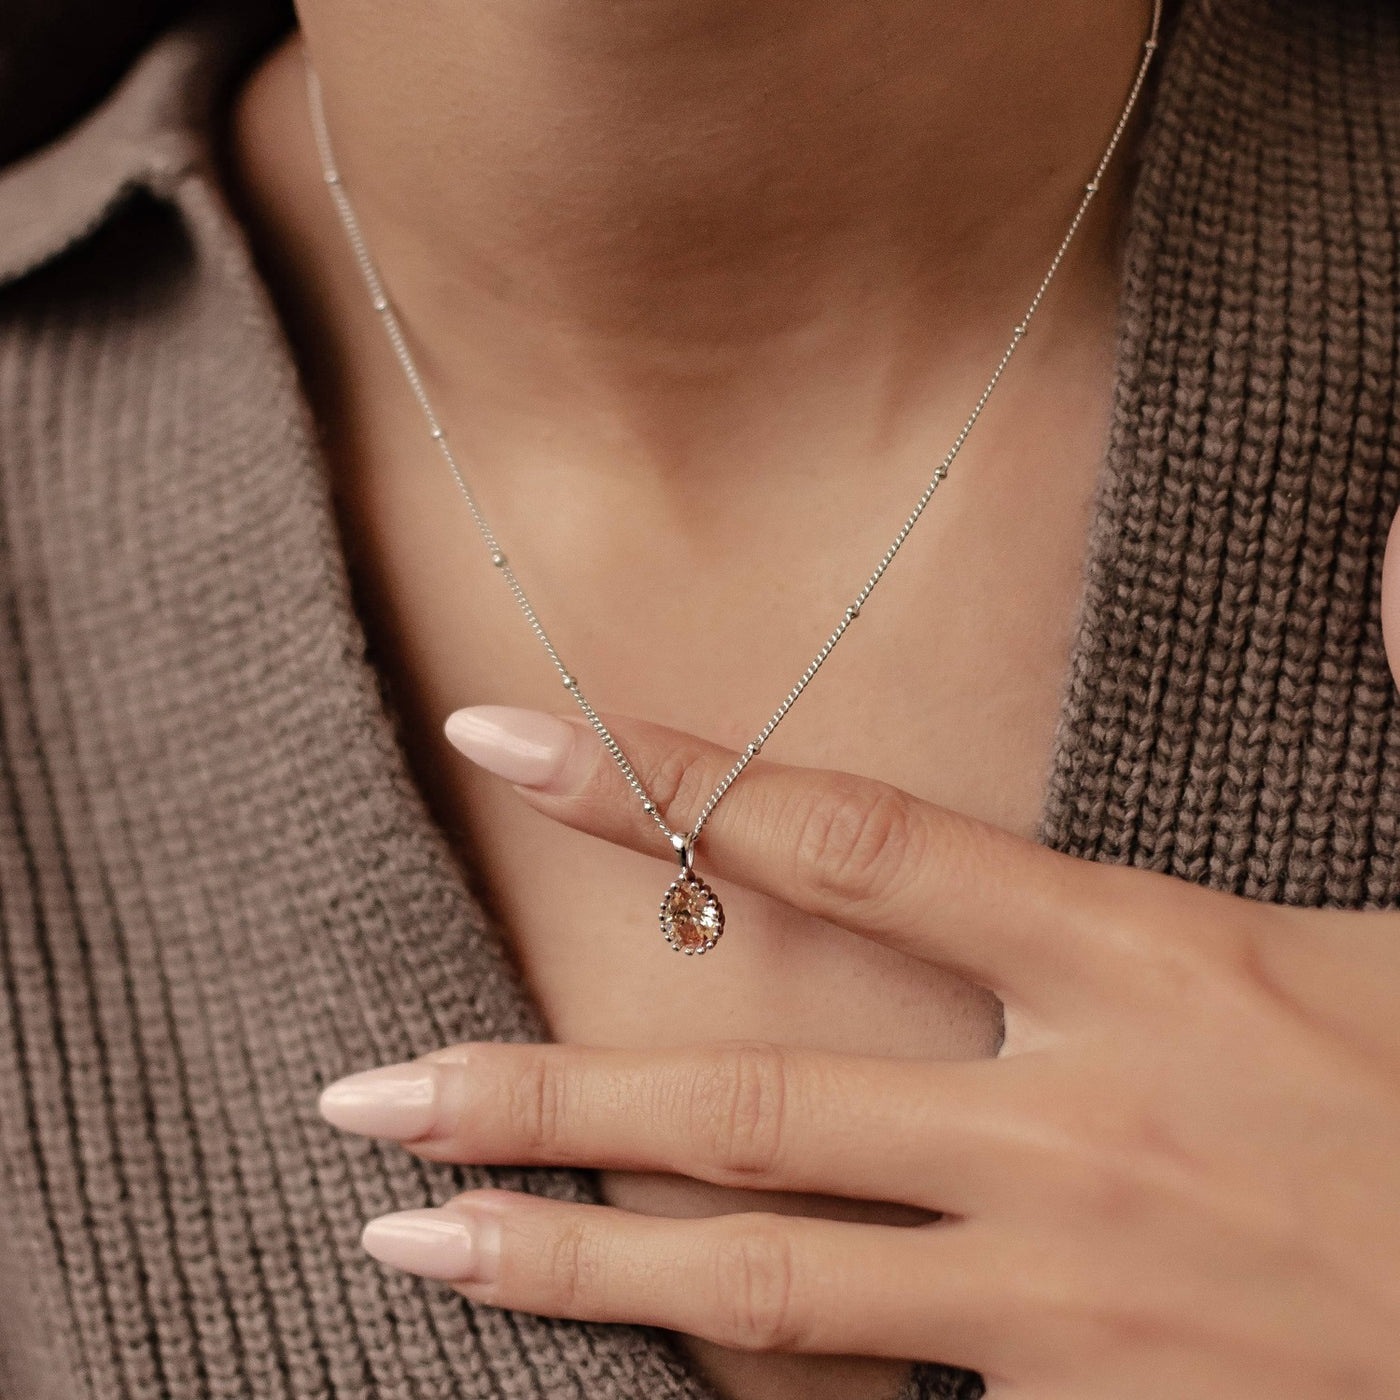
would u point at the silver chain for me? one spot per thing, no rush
(683, 843)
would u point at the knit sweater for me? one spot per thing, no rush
(220, 887)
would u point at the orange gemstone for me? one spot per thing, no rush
(692, 919)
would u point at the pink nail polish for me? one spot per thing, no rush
(528, 747)
(437, 1244)
(393, 1101)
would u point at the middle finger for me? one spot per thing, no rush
(740, 1113)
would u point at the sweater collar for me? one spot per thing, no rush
(146, 135)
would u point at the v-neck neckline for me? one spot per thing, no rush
(450, 885)
(377, 945)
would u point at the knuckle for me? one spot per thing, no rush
(1207, 955)
(1088, 1163)
(1105, 1188)
(1121, 1171)
(753, 1281)
(681, 778)
(1247, 949)
(853, 839)
(572, 1267)
(536, 1107)
(737, 1108)
(1112, 1320)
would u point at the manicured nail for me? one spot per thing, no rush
(395, 1101)
(437, 1244)
(528, 747)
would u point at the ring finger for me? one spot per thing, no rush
(753, 1282)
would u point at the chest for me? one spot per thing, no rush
(949, 685)
(699, 605)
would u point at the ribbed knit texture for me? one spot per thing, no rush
(220, 888)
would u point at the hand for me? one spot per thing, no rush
(1180, 1180)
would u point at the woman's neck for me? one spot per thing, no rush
(648, 217)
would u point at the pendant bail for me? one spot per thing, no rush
(681, 844)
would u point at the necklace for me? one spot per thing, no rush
(691, 916)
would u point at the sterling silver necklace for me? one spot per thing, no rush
(691, 916)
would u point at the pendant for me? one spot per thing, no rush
(692, 917)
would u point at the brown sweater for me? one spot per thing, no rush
(219, 886)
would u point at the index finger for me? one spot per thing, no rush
(934, 883)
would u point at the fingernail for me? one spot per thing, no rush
(395, 1101)
(436, 1244)
(528, 747)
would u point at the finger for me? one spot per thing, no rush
(754, 1282)
(739, 1113)
(937, 884)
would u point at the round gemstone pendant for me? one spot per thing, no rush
(692, 918)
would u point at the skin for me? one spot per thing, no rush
(702, 292)
(1179, 1177)
(662, 370)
